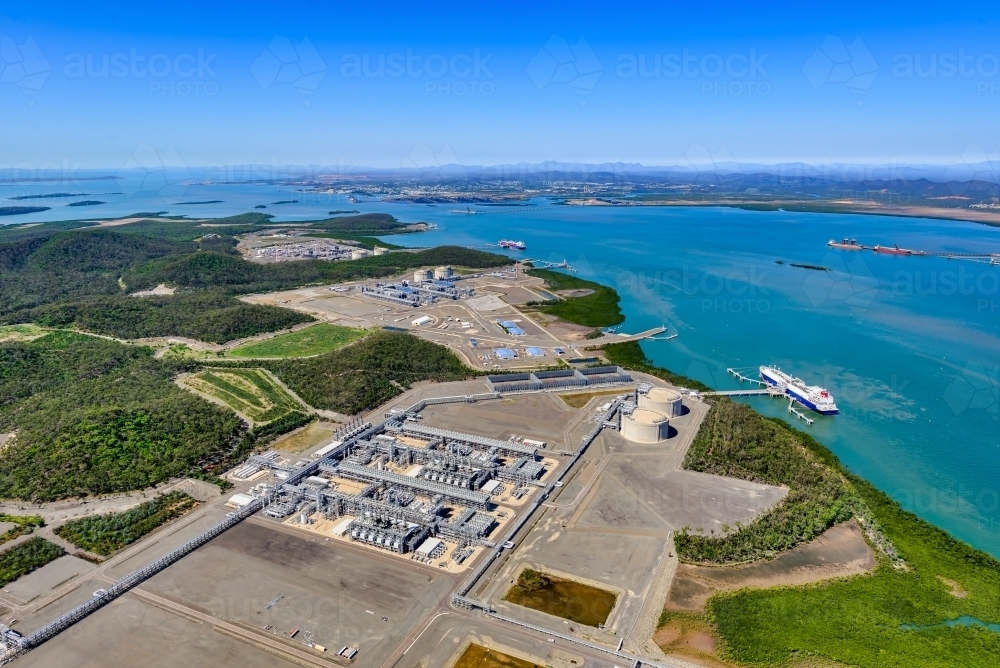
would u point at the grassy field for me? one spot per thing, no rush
(598, 309)
(20, 332)
(477, 656)
(301, 441)
(580, 400)
(250, 392)
(26, 557)
(556, 596)
(315, 340)
(106, 534)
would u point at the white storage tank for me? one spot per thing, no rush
(645, 426)
(421, 275)
(381, 251)
(443, 273)
(358, 253)
(663, 400)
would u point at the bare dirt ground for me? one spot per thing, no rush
(562, 330)
(159, 290)
(582, 292)
(839, 552)
(516, 295)
(58, 512)
(691, 640)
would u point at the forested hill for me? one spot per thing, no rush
(83, 277)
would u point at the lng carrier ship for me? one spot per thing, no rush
(811, 396)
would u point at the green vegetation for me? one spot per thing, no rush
(26, 557)
(736, 441)
(368, 373)
(597, 309)
(477, 656)
(237, 276)
(17, 210)
(859, 621)
(315, 340)
(629, 355)
(86, 202)
(106, 534)
(93, 416)
(22, 524)
(568, 599)
(250, 392)
(213, 316)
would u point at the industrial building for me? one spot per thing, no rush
(548, 380)
(408, 488)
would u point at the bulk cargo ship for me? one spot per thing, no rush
(846, 244)
(896, 250)
(812, 397)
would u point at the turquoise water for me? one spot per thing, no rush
(961, 621)
(909, 346)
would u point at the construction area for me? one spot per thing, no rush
(477, 315)
(394, 540)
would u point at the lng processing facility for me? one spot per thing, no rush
(448, 487)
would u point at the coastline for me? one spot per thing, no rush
(803, 206)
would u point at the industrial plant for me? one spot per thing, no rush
(404, 487)
(424, 289)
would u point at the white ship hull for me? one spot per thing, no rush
(812, 397)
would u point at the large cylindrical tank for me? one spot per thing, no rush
(663, 400)
(443, 273)
(358, 253)
(421, 275)
(645, 426)
(380, 251)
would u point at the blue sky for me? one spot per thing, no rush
(390, 85)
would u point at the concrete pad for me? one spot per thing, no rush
(130, 632)
(347, 306)
(45, 579)
(338, 592)
(6, 526)
(487, 303)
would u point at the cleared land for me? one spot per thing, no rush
(311, 435)
(249, 392)
(581, 400)
(106, 534)
(315, 340)
(840, 552)
(561, 597)
(477, 656)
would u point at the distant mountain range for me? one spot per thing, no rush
(701, 173)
